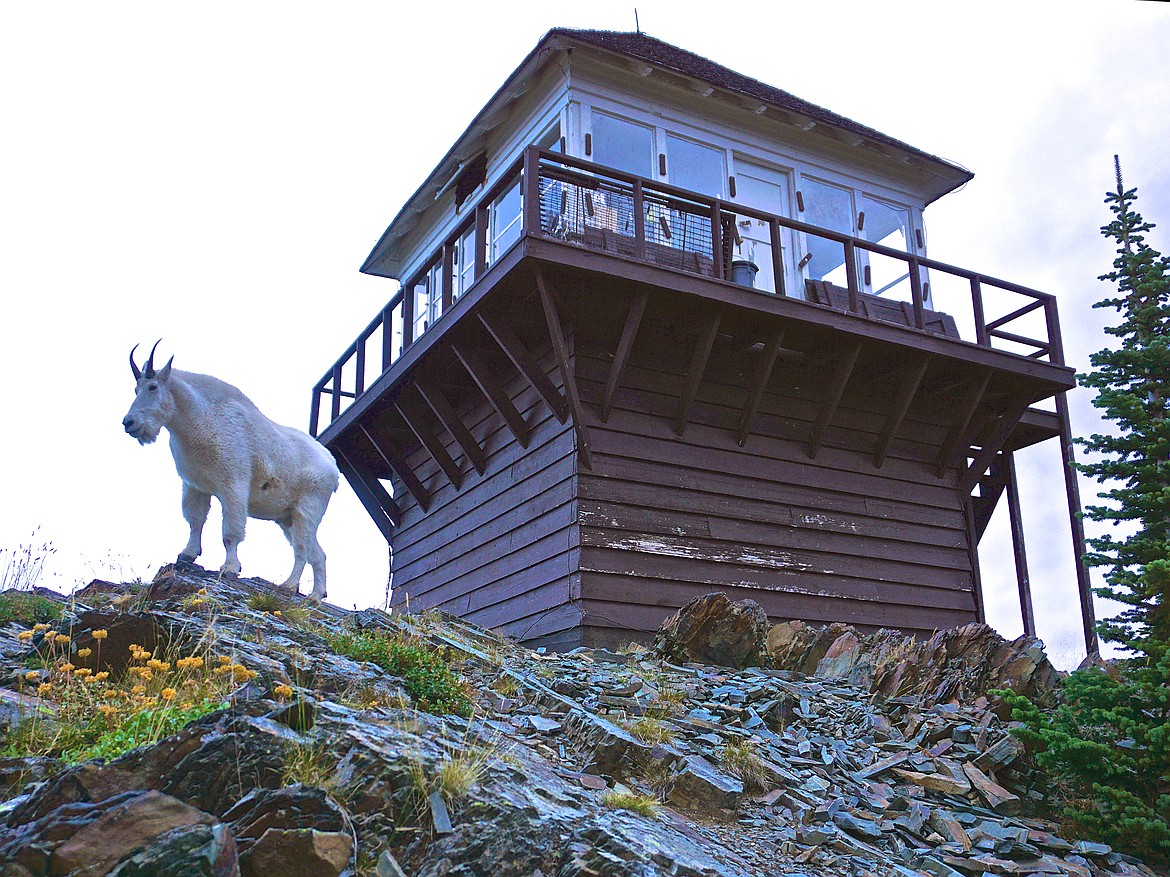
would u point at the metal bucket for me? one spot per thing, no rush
(744, 272)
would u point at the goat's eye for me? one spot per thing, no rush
(154, 388)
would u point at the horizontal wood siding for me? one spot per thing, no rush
(501, 550)
(666, 518)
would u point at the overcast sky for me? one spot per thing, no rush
(215, 173)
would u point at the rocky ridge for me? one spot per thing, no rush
(848, 754)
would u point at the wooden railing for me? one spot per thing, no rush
(585, 204)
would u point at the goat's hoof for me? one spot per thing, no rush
(184, 557)
(229, 575)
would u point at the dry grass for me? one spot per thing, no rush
(651, 730)
(742, 759)
(643, 805)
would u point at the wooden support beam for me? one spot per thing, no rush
(759, 384)
(492, 391)
(1073, 494)
(837, 383)
(1023, 581)
(694, 377)
(1004, 425)
(561, 351)
(398, 465)
(450, 418)
(973, 553)
(621, 356)
(953, 444)
(525, 363)
(911, 380)
(372, 495)
(429, 440)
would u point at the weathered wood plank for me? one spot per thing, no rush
(953, 446)
(400, 468)
(836, 389)
(909, 386)
(492, 390)
(525, 363)
(447, 415)
(694, 376)
(759, 384)
(625, 346)
(561, 350)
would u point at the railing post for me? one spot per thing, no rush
(777, 256)
(315, 411)
(717, 239)
(851, 276)
(387, 336)
(408, 314)
(981, 336)
(1055, 344)
(531, 189)
(916, 292)
(359, 383)
(481, 242)
(639, 221)
(448, 258)
(335, 409)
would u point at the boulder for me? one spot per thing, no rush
(187, 851)
(298, 852)
(711, 629)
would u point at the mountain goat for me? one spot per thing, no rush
(224, 447)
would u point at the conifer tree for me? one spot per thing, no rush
(1133, 463)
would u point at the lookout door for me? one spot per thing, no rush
(764, 189)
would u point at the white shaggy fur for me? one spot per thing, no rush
(224, 447)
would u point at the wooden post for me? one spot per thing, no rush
(639, 221)
(1073, 493)
(717, 240)
(777, 256)
(1023, 582)
(481, 239)
(315, 413)
(916, 293)
(981, 336)
(851, 276)
(335, 409)
(531, 190)
(973, 552)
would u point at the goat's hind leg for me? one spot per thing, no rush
(235, 519)
(295, 537)
(196, 505)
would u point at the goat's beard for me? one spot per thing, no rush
(147, 435)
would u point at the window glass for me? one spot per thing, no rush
(623, 145)
(829, 207)
(889, 226)
(695, 167)
(422, 307)
(464, 263)
(504, 222)
(436, 292)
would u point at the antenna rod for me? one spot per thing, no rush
(637, 26)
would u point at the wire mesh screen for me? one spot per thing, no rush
(599, 213)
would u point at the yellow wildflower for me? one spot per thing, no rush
(61, 639)
(39, 626)
(82, 672)
(100, 634)
(224, 659)
(25, 635)
(106, 710)
(44, 688)
(66, 668)
(282, 691)
(276, 613)
(156, 664)
(202, 592)
(32, 675)
(84, 653)
(168, 694)
(102, 676)
(138, 689)
(111, 694)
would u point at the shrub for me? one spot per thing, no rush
(428, 677)
(1108, 746)
(28, 609)
(643, 805)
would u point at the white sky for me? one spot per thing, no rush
(215, 173)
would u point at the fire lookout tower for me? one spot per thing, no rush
(663, 329)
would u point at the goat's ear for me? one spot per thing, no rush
(165, 371)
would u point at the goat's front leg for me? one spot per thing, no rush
(235, 516)
(196, 505)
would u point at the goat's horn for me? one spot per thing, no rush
(133, 365)
(149, 370)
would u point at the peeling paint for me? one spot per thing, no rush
(724, 553)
